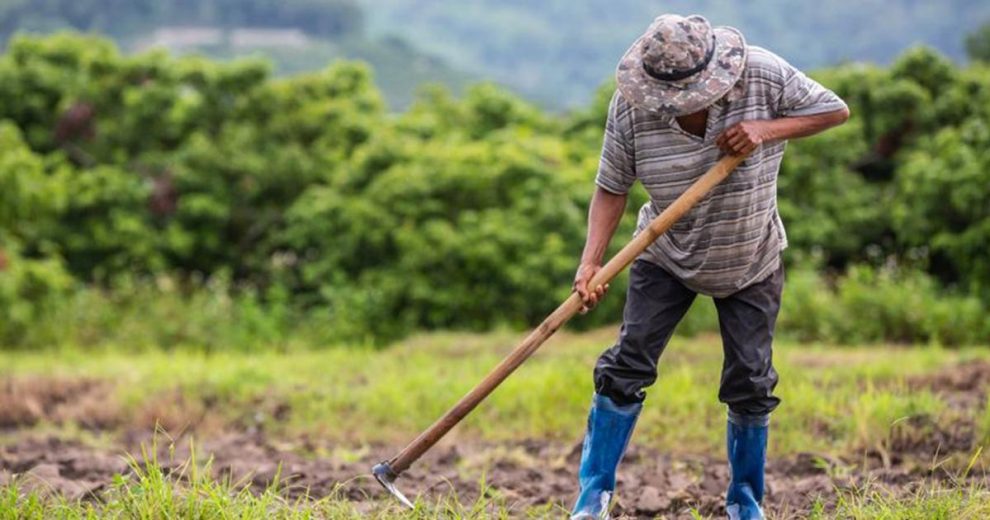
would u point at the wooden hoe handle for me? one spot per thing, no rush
(564, 312)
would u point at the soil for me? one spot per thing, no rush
(520, 474)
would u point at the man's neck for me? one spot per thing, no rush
(694, 123)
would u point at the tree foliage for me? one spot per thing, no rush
(459, 213)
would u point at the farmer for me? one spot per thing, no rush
(687, 94)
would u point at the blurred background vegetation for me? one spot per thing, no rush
(155, 199)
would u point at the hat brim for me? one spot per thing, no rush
(689, 95)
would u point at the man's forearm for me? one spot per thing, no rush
(603, 218)
(743, 137)
(804, 126)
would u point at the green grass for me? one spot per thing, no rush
(834, 399)
(931, 502)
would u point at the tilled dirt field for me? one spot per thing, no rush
(520, 473)
(523, 474)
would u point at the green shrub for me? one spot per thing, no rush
(942, 204)
(880, 305)
(30, 292)
(138, 314)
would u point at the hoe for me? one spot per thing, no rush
(388, 471)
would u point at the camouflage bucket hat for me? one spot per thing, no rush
(681, 65)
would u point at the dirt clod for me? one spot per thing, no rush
(651, 501)
(27, 401)
(963, 385)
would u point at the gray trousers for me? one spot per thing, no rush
(656, 302)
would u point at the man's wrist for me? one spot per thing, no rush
(590, 261)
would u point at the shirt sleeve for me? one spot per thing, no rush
(617, 166)
(799, 95)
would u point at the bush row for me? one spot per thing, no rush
(306, 198)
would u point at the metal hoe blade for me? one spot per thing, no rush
(386, 477)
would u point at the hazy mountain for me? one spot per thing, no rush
(557, 51)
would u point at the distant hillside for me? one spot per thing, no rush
(557, 51)
(322, 18)
(297, 35)
(399, 68)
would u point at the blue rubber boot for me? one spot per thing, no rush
(747, 446)
(609, 428)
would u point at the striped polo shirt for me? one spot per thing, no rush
(733, 237)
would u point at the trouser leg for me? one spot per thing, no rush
(746, 320)
(655, 303)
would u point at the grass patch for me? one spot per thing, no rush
(834, 400)
(188, 492)
(929, 502)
